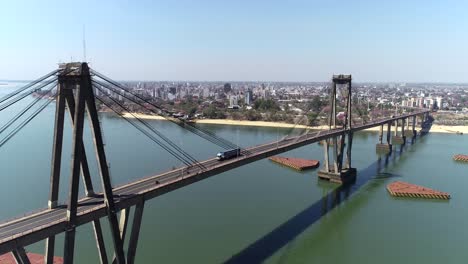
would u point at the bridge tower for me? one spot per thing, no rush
(339, 172)
(75, 95)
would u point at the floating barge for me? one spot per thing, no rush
(295, 163)
(461, 157)
(33, 259)
(404, 189)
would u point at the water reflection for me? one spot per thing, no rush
(269, 244)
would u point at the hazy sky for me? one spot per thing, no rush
(375, 40)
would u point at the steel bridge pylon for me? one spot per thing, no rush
(75, 93)
(337, 171)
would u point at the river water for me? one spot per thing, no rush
(260, 212)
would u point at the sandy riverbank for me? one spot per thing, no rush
(143, 116)
(435, 128)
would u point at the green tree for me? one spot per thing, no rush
(313, 119)
(252, 115)
(266, 105)
(316, 104)
(210, 112)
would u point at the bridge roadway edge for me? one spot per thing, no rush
(46, 230)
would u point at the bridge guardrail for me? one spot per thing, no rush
(15, 236)
(30, 213)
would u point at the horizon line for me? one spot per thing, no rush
(257, 81)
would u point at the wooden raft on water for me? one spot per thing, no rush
(33, 258)
(404, 189)
(461, 157)
(295, 163)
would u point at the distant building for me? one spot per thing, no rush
(265, 94)
(439, 102)
(172, 90)
(248, 97)
(206, 93)
(227, 88)
(233, 101)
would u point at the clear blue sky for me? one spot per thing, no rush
(375, 40)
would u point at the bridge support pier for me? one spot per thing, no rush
(381, 147)
(339, 173)
(399, 139)
(408, 130)
(122, 228)
(20, 256)
(135, 233)
(100, 241)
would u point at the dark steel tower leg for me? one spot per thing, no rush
(132, 244)
(102, 165)
(100, 242)
(20, 256)
(56, 165)
(57, 147)
(333, 123)
(84, 161)
(77, 153)
(122, 227)
(348, 151)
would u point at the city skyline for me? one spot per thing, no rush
(265, 41)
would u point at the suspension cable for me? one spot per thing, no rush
(29, 85)
(24, 123)
(167, 140)
(155, 140)
(175, 121)
(209, 133)
(180, 122)
(24, 95)
(27, 108)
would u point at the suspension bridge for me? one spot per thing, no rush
(76, 89)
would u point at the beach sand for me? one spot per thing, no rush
(143, 116)
(434, 128)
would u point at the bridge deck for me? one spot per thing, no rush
(33, 228)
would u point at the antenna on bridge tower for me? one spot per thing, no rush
(84, 44)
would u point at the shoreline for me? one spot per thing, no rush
(435, 128)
